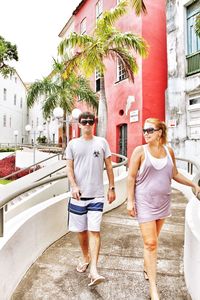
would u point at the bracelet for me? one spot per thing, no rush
(111, 188)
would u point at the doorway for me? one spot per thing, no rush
(123, 140)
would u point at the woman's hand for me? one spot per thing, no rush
(131, 209)
(196, 190)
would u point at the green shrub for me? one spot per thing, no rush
(42, 139)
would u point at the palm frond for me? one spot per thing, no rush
(49, 104)
(74, 40)
(129, 62)
(139, 6)
(39, 88)
(86, 94)
(110, 17)
(129, 41)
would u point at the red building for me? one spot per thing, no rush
(129, 104)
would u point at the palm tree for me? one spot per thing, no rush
(105, 42)
(198, 25)
(139, 6)
(58, 91)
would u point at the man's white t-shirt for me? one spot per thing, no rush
(88, 157)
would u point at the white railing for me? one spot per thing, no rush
(192, 231)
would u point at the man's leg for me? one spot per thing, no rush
(84, 243)
(95, 209)
(94, 246)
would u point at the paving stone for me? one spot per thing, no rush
(53, 275)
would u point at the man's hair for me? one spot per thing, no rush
(86, 115)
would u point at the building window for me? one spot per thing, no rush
(15, 79)
(4, 120)
(21, 101)
(32, 124)
(83, 26)
(193, 41)
(99, 9)
(194, 117)
(4, 94)
(15, 99)
(121, 72)
(37, 121)
(118, 1)
(97, 78)
(10, 122)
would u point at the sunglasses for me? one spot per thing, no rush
(87, 121)
(149, 130)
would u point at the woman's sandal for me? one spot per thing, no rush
(146, 277)
(96, 280)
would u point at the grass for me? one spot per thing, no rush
(4, 181)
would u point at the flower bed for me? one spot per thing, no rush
(7, 167)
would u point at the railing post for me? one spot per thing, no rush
(1, 222)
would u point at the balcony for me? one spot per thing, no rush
(193, 63)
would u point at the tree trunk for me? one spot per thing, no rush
(102, 110)
(64, 137)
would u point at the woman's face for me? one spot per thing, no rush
(151, 133)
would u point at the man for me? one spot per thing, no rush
(85, 163)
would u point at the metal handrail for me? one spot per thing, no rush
(27, 168)
(191, 163)
(196, 178)
(28, 187)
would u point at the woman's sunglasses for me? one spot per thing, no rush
(149, 130)
(87, 121)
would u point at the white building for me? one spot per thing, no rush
(13, 110)
(183, 94)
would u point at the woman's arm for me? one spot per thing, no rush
(180, 178)
(134, 166)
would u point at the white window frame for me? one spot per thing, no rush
(15, 99)
(97, 77)
(21, 102)
(4, 94)
(193, 117)
(83, 26)
(193, 41)
(4, 121)
(121, 73)
(99, 9)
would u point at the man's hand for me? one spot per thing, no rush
(76, 194)
(111, 196)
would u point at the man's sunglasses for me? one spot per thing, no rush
(149, 130)
(87, 121)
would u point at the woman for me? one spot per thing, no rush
(151, 169)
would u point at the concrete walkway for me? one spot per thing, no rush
(53, 275)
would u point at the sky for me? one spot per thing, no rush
(34, 25)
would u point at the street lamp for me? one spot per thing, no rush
(59, 113)
(16, 132)
(28, 129)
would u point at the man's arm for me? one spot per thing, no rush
(109, 170)
(72, 180)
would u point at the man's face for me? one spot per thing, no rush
(86, 124)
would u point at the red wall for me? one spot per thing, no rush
(150, 82)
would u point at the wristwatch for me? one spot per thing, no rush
(112, 188)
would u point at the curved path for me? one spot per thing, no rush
(53, 275)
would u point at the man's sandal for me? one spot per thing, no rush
(82, 267)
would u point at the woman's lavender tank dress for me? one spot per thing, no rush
(153, 189)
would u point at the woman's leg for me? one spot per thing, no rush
(150, 239)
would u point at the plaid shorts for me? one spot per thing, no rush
(85, 214)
